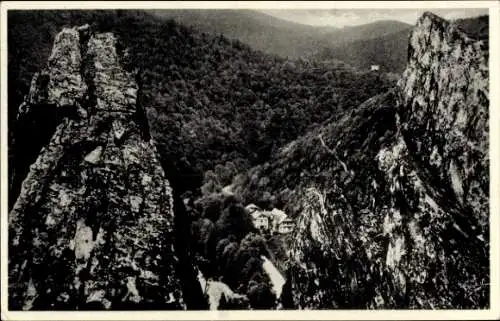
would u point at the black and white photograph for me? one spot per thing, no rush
(247, 159)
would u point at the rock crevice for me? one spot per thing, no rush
(393, 235)
(93, 224)
(444, 111)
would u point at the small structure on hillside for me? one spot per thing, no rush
(375, 68)
(251, 208)
(286, 226)
(261, 221)
(272, 221)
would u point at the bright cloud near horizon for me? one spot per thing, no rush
(351, 17)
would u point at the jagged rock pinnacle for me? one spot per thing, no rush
(444, 105)
(92, 226)
(409, 229)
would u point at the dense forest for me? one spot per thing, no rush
(223, 114)
(215, 108)
(282, 37)
(211, 102)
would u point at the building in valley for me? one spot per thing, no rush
(270, 221)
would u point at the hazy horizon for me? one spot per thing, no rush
(351, 17)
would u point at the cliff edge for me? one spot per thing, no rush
(92, 227)
(406, 225)
(444, 112)
(391, 202)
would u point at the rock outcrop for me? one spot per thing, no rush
(400, 242)
(444, 112)
(218, 292)
(92, 226)
(391, 200)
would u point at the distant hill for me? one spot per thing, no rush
(477, 28)
(260, 31)
(276, 36)
(210, 100)
(389, 49)
(368, 31)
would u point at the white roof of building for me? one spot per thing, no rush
(278, 215)
(252, 207)
(256, 214)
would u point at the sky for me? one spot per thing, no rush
(351, 17)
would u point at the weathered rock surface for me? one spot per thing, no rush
(391, 201)
(444, 111)
(405, 249)
(218, 292)
(92, 227)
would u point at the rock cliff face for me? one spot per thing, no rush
(92, 226)
(415, 233)
(444, 112)
(391, 201)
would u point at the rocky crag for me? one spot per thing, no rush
(391, 201)
(444, 112)
(92, 227)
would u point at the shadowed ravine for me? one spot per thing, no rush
(382, 205)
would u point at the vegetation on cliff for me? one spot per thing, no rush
(209, 100)
(381, 190)
(385, 196)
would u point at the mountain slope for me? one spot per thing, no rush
(389, 50)
(233, 23)
(277, 36)
(384, 196)
(210, 101)
(373, 30)
(258, 30)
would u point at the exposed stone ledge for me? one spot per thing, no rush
(86, 230)
(444, 110)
